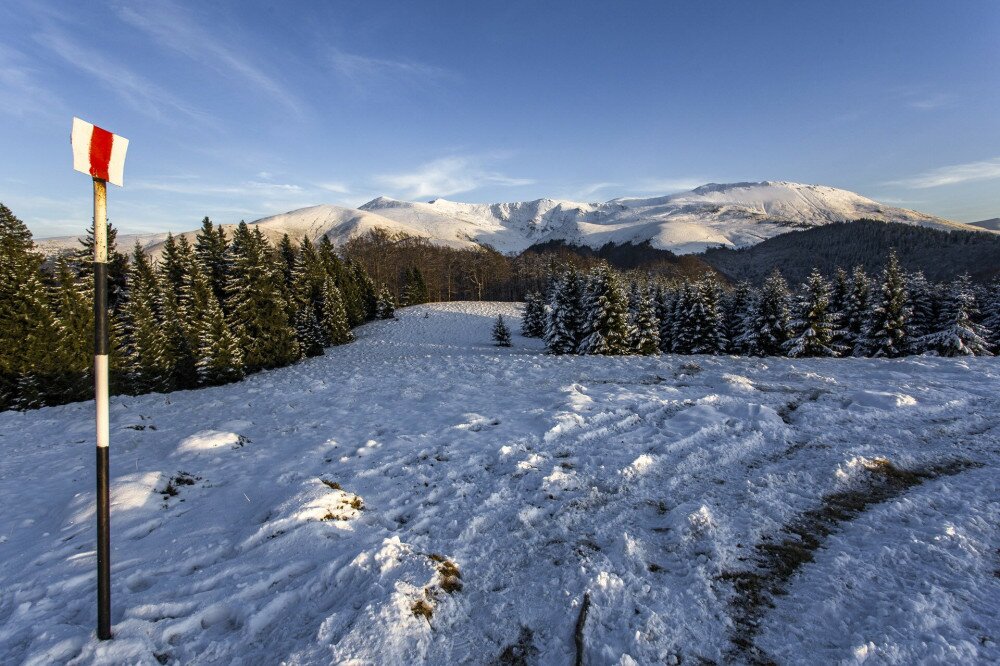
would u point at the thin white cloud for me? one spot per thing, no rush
(952, 175)
(23, 95)
(246, 189)
(174, 29)
(366, 74)
(335, 187)
(931, 102)
(139, 93)
(446, 176)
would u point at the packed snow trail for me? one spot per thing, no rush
(420, 496)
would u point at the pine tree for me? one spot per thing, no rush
(646, 328)
(74, 312)
(83, 263)
(607, 328)
(308, 279)
(533, 319)
(287, 256)
(812, 328)
(839, 297)
(991, 314)
(414, 287)
(179, 356)
(682, 330)
(956, 333)
(367, 296)
(334, 323)
(768, 321)
(923, 303)
(704, 319)
(140, 335)
(665, 313)
(210, 251)
(856, 308)
(385, 308)
(220, 360)
(501, 334)
(28, 328)
(255, 294)
(734, 311)
(564, 325)
(886, 332)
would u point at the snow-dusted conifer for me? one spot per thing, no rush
(665, 313)
(385, 306)
(768, 322)
(991, 314)
(501, 333)
(856, 308)
(608, 329)
(734, 311)
(924, 304)
(219, 359)
(886, 332)
(140, 335)
(646, 327)
(956, 332)
(533, 319)
(334, 322)
(812, 328)
(564, 326)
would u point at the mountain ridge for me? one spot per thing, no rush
(731, 215)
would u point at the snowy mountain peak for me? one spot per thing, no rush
(712, 215)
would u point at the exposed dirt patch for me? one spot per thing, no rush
(780, 557)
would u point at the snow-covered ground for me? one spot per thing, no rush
(647, 483)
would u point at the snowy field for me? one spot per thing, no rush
(420, 496)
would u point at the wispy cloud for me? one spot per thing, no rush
(446, 176)
(365, 74)
(952, 175)
(139, 93)
(196, 188)
(931, 102)
(23, 95)
(175, 29)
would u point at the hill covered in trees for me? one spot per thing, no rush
(940, 255)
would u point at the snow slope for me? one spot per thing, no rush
(733, 215)
(640, 481)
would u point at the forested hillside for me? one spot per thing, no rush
(940, 255)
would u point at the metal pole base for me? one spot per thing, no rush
(103, 547)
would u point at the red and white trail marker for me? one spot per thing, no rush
(98, 153)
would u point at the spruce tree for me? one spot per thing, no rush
(367, 295)
(856, 308)
(256, 301)
(140, 335)
(682, 332)
(28, 328)
(665, 313)
(705, 321)
(83, 262)
(414, 287)
(74, 311)
(812, 328)
(646, 328)
(287, 256)
(923, 303)
(385, 307)
(886, 332)
(533, 319)
(991, 314)
(501, 334)
(336, 330)
(608, 329)
(565, 321)
(768, 321)
(840, 293)
(734, 312)
(179, 356)
(219, 359)
(956, 332)
(210, 251)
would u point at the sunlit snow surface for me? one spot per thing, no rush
(638, 480)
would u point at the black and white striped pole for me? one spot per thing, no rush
(101, 401)
(101, 155)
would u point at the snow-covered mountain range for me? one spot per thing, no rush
(713, 215)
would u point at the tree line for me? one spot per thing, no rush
(890, 315)
(206, 313)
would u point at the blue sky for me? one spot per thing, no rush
(237, 110)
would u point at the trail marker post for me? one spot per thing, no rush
(101, 155)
